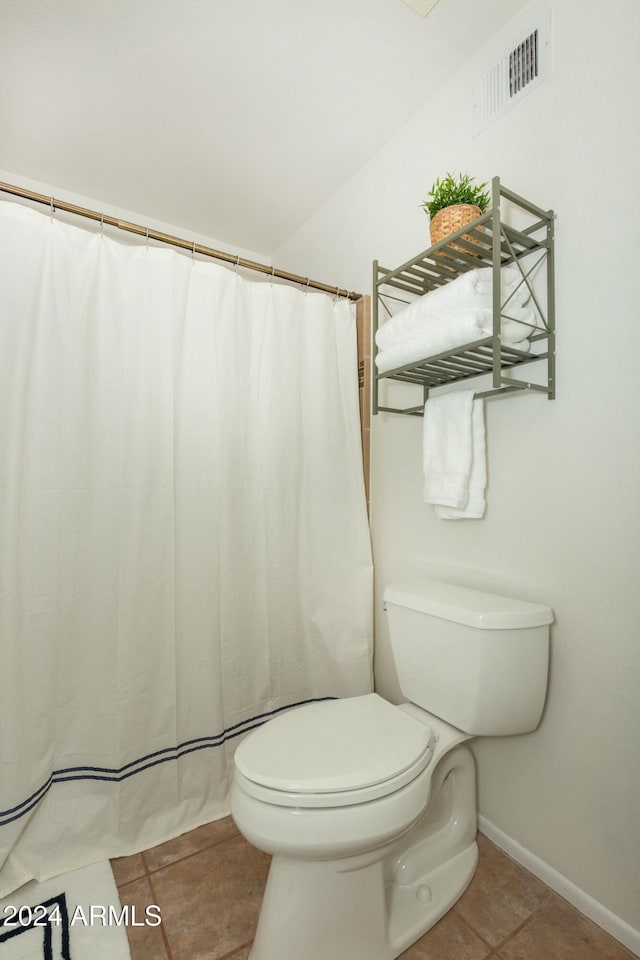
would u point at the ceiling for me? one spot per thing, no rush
(235, 119)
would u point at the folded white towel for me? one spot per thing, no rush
(517, 323)
(471, 291)
(445, 333)
(447, 451)
(439, 336)
(476, 502)
(512, 285)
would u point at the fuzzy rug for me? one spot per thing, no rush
(76, 916)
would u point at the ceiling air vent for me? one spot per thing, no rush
(520, 70)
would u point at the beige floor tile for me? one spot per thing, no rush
(209, 884)
(450, 939)
(188, 843)
(559, 932)
(210, 901)
(126, 869)
(501, 895)
(146, 942)
(240, 954)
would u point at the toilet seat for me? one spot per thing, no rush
(334, 753)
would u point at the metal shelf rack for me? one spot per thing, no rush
(496, 244)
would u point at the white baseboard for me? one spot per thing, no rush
(618, 928)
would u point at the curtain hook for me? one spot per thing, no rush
(193, 253)
(52, 210)
(306, 289)
(101, 225)
(237, 265)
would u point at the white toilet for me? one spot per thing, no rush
(369, 809)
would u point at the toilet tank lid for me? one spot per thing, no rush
(473, 608)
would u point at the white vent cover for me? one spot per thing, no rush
(520, 70)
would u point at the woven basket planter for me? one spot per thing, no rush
(449, 220)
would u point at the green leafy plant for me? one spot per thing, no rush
(450, 189)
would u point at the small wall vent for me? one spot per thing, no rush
(519, 71)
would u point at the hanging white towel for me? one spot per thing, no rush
(454, 455)
(476, 502)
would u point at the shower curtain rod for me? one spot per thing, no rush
(192, 246)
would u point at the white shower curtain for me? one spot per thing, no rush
(184, 545)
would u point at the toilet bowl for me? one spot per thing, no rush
(344, 820)
(368, 808)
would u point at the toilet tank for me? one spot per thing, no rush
(477, 660)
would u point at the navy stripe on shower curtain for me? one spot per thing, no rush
(116, 775)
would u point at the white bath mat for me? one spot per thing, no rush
(73, 917)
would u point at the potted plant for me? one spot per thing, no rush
(452, 203)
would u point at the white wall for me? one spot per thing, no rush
(49, 190)
(562, 526)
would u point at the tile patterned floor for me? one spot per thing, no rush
(208, 885)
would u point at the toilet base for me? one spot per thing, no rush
(373, 906)
(369, 928)
(410, 916)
